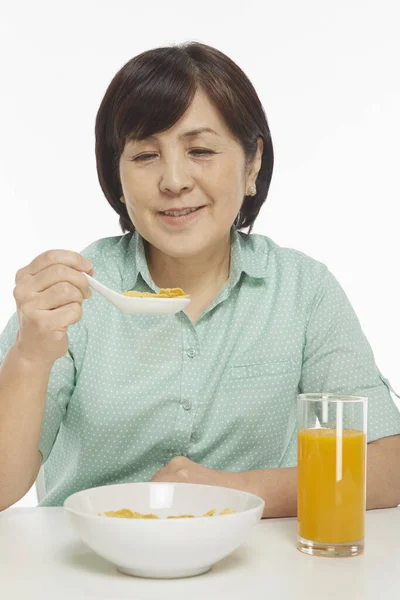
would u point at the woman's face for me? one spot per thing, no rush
(184, 187)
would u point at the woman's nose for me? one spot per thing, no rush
(175, 177)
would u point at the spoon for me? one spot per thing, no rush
(130, 304)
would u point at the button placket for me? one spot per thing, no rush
(189, 389)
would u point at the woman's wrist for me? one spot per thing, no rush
(277, 487)
(246, 481)
(28, 362)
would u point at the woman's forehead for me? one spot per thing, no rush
(201, 119)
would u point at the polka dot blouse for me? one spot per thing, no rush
(134, 391)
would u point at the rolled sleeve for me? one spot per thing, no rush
(8, 336)
(338, 358)
(59, 391)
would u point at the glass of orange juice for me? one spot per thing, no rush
(331, 467)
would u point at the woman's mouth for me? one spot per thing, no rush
(180, 216)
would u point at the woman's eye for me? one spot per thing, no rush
(143, 157)
(201, 152)
(150, 156)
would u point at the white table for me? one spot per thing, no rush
(41, 557)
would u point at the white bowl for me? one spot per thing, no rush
(163, 548)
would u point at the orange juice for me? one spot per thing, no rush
(331, 485)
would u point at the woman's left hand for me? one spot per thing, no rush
(182, 470)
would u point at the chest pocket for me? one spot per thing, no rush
(259, 369)
(260, 401)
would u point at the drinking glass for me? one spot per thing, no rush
(332, 436)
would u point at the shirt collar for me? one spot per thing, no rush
(245, 258)
(136, 264)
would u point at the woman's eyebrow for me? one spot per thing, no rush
(188, 134)
(199, 131)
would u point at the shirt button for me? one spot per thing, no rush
(187, 405)
(191, 353)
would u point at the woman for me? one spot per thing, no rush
(184, 156)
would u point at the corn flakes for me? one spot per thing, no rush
(126, 513)
(163, 293)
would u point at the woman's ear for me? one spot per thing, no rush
(258, 156)
(255, 164)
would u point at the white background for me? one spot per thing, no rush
(327, 75)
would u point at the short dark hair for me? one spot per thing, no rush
(151, 93)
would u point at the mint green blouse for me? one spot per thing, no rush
(134, 391)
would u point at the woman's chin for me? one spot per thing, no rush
(181, 248)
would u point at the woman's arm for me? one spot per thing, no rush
(278, 487)
(23, 388)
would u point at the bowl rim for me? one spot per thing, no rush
(260, 501)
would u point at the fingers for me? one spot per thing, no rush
(53, 286)
(49, 293)
(55, 257)
(54, 275)
(60, 294)
(177, 470)
(64, 316)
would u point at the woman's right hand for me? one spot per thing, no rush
(49, 293)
